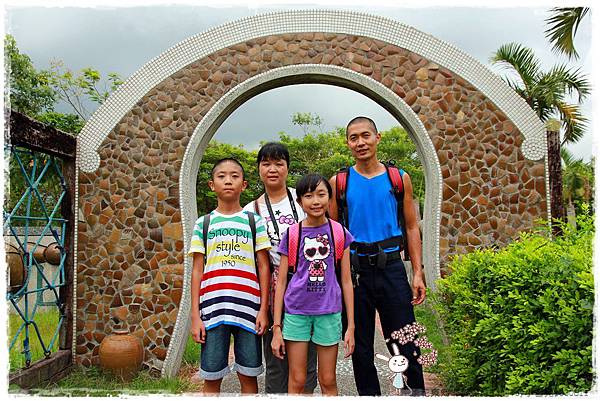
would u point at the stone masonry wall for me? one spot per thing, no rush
(130, 260)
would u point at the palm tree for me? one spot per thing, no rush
(564, 23)
(577, 181)
(546, 93)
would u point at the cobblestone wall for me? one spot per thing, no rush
(130, 261)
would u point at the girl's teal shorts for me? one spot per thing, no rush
(323, 330)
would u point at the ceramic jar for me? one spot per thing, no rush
(16, 267)
(122, 354)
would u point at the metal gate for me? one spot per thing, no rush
(38, 226)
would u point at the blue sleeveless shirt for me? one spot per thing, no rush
(372, 208)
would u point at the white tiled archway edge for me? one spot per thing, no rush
(196, 47)
(344, 22)
(295, 74)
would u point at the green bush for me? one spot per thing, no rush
(519, 320)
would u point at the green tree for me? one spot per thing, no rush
(28, 90)
(326, 153)
(307, 120)
(75, 88)
(35, 94)
(546, 93)
(206, 199)
(578, 181)
(70, 123)
(564, 23)
(323, 153)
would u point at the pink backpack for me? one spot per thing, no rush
(339, 239)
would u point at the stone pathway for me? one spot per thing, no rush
(345, 374)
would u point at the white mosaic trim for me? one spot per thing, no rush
(548, 192)
(76, 228)
(309, 73)
(344, 22)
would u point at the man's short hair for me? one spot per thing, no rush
(273, 151)
(224, 160)
(361, 119)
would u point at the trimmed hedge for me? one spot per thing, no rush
(520, 319)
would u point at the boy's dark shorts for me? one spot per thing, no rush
(214, 356)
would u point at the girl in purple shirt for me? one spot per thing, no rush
(313, 298)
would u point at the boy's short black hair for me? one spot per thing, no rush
(273, 151)
(361, 119)
(309, 183)
(224, 160)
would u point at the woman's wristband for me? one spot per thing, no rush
(275, 325)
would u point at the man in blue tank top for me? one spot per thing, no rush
(382, 285)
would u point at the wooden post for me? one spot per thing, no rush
(557, 209)
(68, 209)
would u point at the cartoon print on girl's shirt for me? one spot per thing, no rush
(316, 250)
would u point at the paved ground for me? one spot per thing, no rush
(345, 375)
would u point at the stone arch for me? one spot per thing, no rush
(290, 75)
(133, 152)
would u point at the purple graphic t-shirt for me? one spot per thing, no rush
(313, 289)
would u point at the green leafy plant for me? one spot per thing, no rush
(35, 93)
(563, 24)
(323, 153)
(75, 88)
(28, 89)
(519, 320)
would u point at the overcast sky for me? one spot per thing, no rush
(123, 39)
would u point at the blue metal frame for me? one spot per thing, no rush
(57, 226)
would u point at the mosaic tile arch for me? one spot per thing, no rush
(302, 73)
(483, 152)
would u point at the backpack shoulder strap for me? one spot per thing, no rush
(338, 240)
(252, 223)
(341, 187)
(293, 245)
(395, 178)
(205, 225)
(341, 179)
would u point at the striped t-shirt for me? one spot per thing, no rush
(229, 292)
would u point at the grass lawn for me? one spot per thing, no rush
(191, 355)
(47, 322)
(425, 315)
(97, 383)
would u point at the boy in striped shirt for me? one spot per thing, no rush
(230, 280)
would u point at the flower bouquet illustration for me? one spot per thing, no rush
(398, 363)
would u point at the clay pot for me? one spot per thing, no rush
(52, 254)
(38, 254)
(122, 354)
(17, 271)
